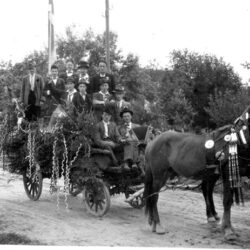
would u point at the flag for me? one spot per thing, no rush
(51, 34)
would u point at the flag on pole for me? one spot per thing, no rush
(51, 35)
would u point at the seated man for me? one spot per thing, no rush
(129, 138)
(106, 134)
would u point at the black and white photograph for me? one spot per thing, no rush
(125, 123)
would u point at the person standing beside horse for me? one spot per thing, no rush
(129, 139)
(31, 93)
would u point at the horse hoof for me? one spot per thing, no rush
(230, 235)
(160, 229)
(211, 219)
(153, 228)
(217, 218)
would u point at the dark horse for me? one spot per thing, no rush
(185, 154)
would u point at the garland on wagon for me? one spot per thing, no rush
(32, 143)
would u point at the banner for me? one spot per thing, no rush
(51, 34)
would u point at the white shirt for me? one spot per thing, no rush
(120, 103)
(129, 126)
(104, 95)
(54, 80)
(69, 73)
(106, 132)
(83, 96)
(32, 81)
(70, 95)
(102, 75)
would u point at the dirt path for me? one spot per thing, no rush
(182, 213)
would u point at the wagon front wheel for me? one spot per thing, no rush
(33, 184)
(97, 197)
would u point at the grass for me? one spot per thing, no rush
(16, 239)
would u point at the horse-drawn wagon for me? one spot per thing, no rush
(65, 152)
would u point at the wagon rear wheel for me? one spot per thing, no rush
(97, 197)
(33, 184)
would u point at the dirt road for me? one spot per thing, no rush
(182, 213)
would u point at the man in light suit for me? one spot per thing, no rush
(31, 93)
(129, 139)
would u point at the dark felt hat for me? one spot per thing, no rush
(108, 109)
(119, 89)
(83, 65)
(31, 65)
(126, 110)
(70, 80)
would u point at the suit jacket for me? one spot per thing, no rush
(118, 109)
(98, 108)
(57, 90)
(26, 87)
(81, 104)
(122, 129)
(99, 134)
(97, 79)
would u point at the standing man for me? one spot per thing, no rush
(129, 139)
(54, 91)
(103, 75)
(81, 100)
(119, 103)
(82, 71)
(69, 72)
(31, 93)
(100, 99)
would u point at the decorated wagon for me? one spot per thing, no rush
(65, 151)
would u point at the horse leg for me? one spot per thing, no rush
(205, 192)
(157, 227)
(229, 233)
(214, 179)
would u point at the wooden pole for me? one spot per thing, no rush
(107, 35)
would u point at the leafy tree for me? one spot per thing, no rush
(225, 107)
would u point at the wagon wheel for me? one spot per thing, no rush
(97, 197)
(138, 202)
(33, 184)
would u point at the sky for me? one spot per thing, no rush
(150, 29)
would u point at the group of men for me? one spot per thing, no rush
(100, 94)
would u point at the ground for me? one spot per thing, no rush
(182, 214)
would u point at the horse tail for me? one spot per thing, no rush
(148, 188)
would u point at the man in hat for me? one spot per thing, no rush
(106, 134)
(69, 72)
(100, 99)
(70, 91)
(31, 93)
(102, 76)
(128, 138)
(54, 91)
(81, 100)
(119, 103)
(82, 71)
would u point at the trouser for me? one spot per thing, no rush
(32, 111)
(131, 152)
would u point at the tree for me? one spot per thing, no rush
(199, 76)
(225, 107)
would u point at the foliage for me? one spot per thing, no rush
(225, 107)
(199, 76)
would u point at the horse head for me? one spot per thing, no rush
(241, 126)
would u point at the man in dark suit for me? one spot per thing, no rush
(129, 139)
(31, 93)
(100, 99)
(69, 72)
(106, 135)
(54, 91)
(82, 71)
(103, 75)
(81, 100)
(119, 103)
